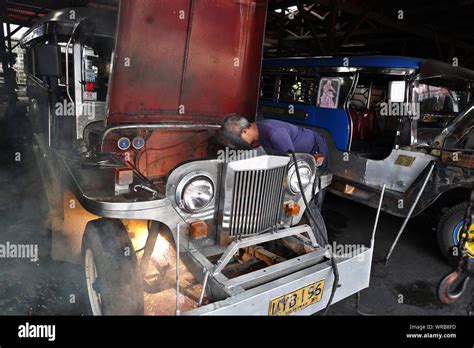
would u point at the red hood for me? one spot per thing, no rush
(186, 60)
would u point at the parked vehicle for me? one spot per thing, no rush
(128, 143)
(386, 120)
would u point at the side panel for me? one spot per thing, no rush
(39, 112)
(193, 60)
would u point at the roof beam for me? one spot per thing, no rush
(311, 27)
(331, 30)
(415, 30)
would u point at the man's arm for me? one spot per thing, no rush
(322, 150)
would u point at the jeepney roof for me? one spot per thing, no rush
(431, 71)
(438, 73)
(62, 21)
(355, 61)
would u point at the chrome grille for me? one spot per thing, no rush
(256, 200)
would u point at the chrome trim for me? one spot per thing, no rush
(354, 273)
(138, 147)
(213, 171)
(350, 95)
(169, 125)
(292, 171)
(188, 178)
(252, 194)
(118, 143)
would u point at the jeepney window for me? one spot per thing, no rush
(435, 99)
(30, 63)
(328, 96)
(268, 85)
(297, 89)
(96, 70)
(396, 91)
(62, 79)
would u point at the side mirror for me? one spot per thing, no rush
(48, 60)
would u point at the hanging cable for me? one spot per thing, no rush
(310, 214)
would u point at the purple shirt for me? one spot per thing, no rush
(283, 137)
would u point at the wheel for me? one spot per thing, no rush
(449, 232)
(111, 276)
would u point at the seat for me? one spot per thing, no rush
(362, 123)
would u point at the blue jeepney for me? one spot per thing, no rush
(403, 122)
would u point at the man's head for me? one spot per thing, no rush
(241, 127)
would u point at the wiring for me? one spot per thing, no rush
(310, 214)
(146, 149)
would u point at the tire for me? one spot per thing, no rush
(448, 231)
(111, 276)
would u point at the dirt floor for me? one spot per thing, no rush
(405, 287)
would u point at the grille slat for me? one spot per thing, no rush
(263, 205)
(268, 205)
(240, 202)
(257, 200)
(250, 199)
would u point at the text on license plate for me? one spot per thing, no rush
(297, 300)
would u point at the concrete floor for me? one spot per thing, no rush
(54, 288)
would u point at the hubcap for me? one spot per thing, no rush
(91, 282)
(470, 244)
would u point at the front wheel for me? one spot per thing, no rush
(449, 233)
(111, 276)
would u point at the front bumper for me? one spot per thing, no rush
(354, 274)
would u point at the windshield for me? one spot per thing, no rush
(439, 100)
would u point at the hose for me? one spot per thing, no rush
(324, 238)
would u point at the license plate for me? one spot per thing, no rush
(297, 300)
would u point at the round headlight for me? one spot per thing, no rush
(196, 193)
(305, 175)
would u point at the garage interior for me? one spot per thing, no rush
(406, 286)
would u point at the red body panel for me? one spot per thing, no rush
(164, 149)
(186, 60)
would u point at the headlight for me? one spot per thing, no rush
(195, 192)
(305, 175)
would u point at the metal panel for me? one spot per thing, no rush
(354, 273)
(150, 47)
(397, 176)
(234, 247)
(186, 60)
(262, 276)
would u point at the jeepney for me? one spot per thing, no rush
(399, 121)
(126, 120)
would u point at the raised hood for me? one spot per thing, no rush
(186, 60)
